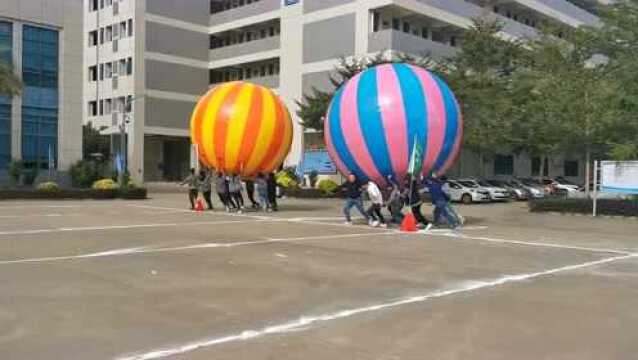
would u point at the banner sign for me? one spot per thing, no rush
(290, 2)
(619, 176)
(319, 161)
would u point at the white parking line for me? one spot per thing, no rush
(119, 227)
(304, 322)
(531, 243)
(150, 250)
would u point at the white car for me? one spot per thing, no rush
(466, 193)
(496, 193)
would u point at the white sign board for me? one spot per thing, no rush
(619, 176)
(195, 157)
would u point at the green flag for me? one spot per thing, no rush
(416, 160)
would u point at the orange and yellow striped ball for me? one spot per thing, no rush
(241, 128)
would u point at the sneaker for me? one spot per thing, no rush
(461, 220)
(347, 223)
(384, 225)
(227, 209)
(375, 223)
(240, 211)
(428, 227)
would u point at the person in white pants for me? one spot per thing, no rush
(376, 203)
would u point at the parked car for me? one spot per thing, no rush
(516, 191)
(533, 189)
(496, 193)
(467, 192)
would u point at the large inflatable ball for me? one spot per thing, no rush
(376, 117)
(241, 128)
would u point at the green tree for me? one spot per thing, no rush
(480, 76)
(94, 143)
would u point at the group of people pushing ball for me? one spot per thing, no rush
(397, 198)
(229, 190)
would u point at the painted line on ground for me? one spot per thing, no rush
(304, 322)
(118, 227)
(151, 250)
(531, 243)
(116, 252)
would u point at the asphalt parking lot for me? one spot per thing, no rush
(149, 280)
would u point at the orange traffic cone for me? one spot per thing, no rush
(409, 223)
(199, 205)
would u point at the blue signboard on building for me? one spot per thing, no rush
(319, 161)
(290, 2)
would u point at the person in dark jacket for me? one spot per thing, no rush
(250, 191)
(205, 186)
(413, 198)
(221, 185)
(353, 199)
(193, 184)
(272, 191)
(440, 201)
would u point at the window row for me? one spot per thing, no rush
(112, 32)
(217, 6)
(504, 165)
(121, 104)
(380, 22)
(93, 4)
(218, 41)
(248, 72)
(122, 67)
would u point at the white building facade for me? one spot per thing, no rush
(166, 53)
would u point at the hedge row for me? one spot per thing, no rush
(129, 194)
(615, 207)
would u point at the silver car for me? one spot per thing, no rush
(496, 193)
(466, 192)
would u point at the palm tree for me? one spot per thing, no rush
(10, 84)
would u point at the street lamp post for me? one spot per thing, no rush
(126, 118)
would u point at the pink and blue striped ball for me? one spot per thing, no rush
(375, 118)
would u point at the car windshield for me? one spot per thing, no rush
(497, 183)
(529, 182)
(484, 183)
(562, 180)
(469, 184)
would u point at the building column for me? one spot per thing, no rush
(291, 65)
(16, 105)
(135, 129)
(362, 29)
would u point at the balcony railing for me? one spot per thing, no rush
(245, 48)
(407, 43)
(238, 13)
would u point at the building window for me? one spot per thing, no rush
(101, 107)
(109, 33)
(123, 29)
(122, 69)
(406, 27)
(453, 41)
(6, 54)
(375, 21)
(571, 168)
(108, 70)
(396, 23)
(424, 32)
(92, 5)
(129, 66)
(101, 71)
(93, 38)
(503, 165)
(536, 166)
(271, 69)
(40, 95)
(130, 27)
(92, 108)
(271, 31)
(93, 73)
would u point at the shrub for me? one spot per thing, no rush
(133, 193)
(83, 174)
(286, 181)
(14, 171)
(313, 176)
(614, 207)
(49, 187)
(327, 187)
(104, 185)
